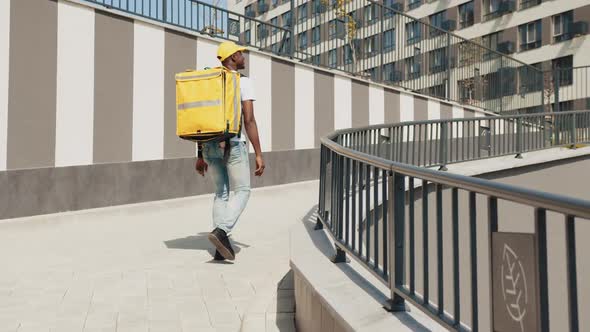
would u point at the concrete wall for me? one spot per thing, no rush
(87, 99)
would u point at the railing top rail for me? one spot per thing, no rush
(538, 199)
(422, 122)
(197, 2)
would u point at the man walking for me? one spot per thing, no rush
(233, 172)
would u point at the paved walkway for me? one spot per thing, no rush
(148, 267)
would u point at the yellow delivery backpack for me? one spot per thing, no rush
(208, 105)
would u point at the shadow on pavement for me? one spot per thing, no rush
(200, 242)
(323, 242)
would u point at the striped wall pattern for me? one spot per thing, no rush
(81, 86)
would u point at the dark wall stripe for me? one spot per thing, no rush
(392, 106)
(420, 109)
(32, 84)
(360, 103)
(323, 104)
(246, 71)
(50, 190)
(180, 54)
(113, 88)
(446, 111)
(283, 105)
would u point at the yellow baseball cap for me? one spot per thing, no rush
(226, 49)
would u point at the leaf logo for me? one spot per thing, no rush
(514, 286)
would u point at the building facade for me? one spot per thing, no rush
(404, 43)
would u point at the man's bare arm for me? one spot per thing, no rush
(252, 131)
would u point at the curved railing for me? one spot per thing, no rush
(374, 201)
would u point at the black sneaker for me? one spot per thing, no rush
(218, 256)
(221, 243)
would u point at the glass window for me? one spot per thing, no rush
(332, 58)
(336, 29)
(561, 26)
(347, 54)
(563, 69)
(261, 32)
(372, 73)
(302, 12)
(318, 7)
(249, 10)
(414, 4)
(413, 32)
(491, 41)
(275, 3)
(247, 36)
(466, 14)
(370, 14)
(530, 35)
(275, 22)
(389, 40)
(437, 60)
(316, 35)
(413, 67)
(530, 79)
(303, 40)
(390, 74)
(524, 4)
(370, 49)
(316, 60)
(437, 20)
(286, 19)
(390, 4)
(494, 6)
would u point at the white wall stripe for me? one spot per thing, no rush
(207, 54)
(433, 110)
(304, 107)
(148, 92)
(4, 65)
(342, 102)
(406, 111)
(376, 105)
(260, 74)
(75, 85)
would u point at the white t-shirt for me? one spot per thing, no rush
(247, 93)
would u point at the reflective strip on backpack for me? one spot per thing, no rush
(236, 110)
(180, 77)
(204, 103)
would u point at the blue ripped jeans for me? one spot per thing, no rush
(231, 176)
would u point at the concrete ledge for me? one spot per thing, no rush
(341, 297)
(509, 162)
(30, 192)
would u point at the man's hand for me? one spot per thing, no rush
(201, 166)
(259, 166)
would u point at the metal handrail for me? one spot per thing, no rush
(364, 195)
(557, 203)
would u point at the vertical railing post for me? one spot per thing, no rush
(165, 11)
(448, 85)
(382, 38)
(573, 130)
(292, 31)
(444, 137)
(519, 138)
(556, 83)
(501, 70)
(396, 225)
(322, 198)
